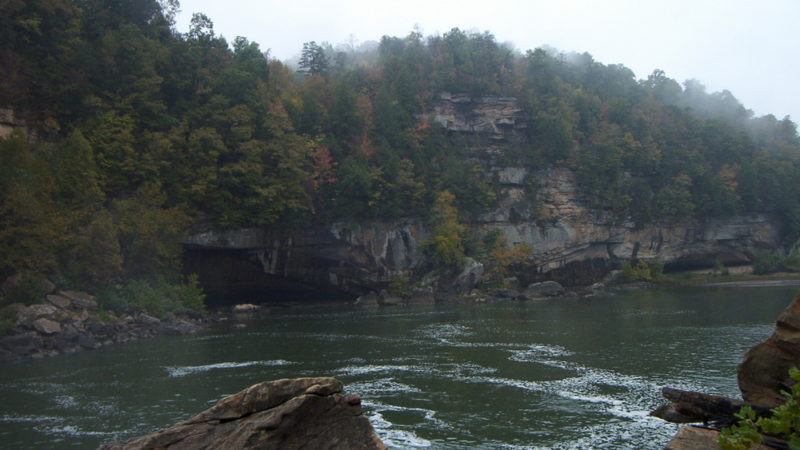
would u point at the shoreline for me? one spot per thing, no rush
(754, 283)
(71, 321)
(62, 325)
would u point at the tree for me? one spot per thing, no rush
(313, 60)
(446, 243)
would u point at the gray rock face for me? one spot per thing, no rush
(566, 237)
(287, 414)
(491, 115)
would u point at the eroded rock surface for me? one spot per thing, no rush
(308, 413)
(764, 371)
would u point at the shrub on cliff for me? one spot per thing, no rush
(446, 244)
(768, 262)
(643, 271)
(792, 262)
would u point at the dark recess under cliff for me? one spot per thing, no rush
(236, 276)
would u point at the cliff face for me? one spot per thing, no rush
(564, 233)
(571, 243)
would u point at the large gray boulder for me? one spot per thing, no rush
(297, 413)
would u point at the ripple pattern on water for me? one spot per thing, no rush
(577, 373)
(182, 371)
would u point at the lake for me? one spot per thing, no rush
(560, 373)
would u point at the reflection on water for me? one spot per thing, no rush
(564, 373)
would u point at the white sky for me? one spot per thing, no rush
(749, 47)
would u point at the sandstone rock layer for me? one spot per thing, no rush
(309, 413)
(764, 371)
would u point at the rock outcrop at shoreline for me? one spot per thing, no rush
(762, 375)
(69, 321)
(764, 371)
(306, 413)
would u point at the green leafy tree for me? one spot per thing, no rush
(313, 60)
(446, 243)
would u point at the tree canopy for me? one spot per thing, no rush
(140, 131)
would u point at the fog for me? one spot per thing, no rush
(745, 47)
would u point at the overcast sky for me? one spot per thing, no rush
(749, 47)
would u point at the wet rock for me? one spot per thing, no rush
(86, 341)
(421, 297)
(147, 320)
(34, 312)
(451, 286)
(98, 328)
(696, 438)
(543, 289)
(286, 414)
(387, 299)
(764, 371)
(470, 275)
(46, 326)
(693, 438)
(245, 308)
(370, 299)
(22, 345)
(670, 414)
(80, 299)
(59, 301)
(177, 327)
(634, 286)
(61, 345)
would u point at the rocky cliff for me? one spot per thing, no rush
(287, 414)
(544, 209)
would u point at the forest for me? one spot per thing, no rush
(135, 134)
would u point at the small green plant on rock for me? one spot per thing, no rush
(784, 422)
(400, 286)
(643, 271)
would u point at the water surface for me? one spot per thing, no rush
(562, 373)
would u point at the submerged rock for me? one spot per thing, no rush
(543, 289)
(287, 414)
(245, 308)
(764, 371)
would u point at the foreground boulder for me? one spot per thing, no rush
(695, 438)
(762, 375)
(287, 414)
(764, 371)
